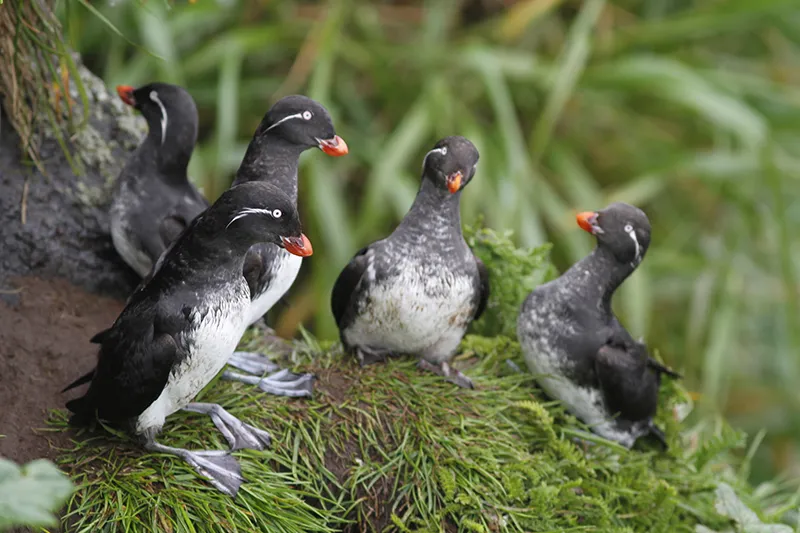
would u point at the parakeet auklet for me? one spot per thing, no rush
(575, 345)
(292, 126)
(416, 291)
(153, 200)
(178, 329)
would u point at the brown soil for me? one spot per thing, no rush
(45, 327)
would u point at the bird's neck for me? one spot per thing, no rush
(173, 152)
(597, 276)
(274, 160)
(435, 213)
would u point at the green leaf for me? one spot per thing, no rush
(729, 505)
(31, 494)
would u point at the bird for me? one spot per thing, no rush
(417, 290)
(292, 125)
(178, 329)
(575, 345)
(153, 200)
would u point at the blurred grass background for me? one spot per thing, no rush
(689, 109)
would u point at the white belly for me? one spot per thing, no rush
(210, 345)
(286, 272)
(415, 314)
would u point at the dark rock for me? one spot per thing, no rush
(65, 232)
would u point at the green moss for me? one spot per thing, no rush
(513, 274)
(389, 446)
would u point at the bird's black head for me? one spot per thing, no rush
(621, 228)
(255, 212)
(304, 122)
(451, 164)
(170, 111)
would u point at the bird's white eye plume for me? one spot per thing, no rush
(164, 118)
(632, 234)
(442, 150)
(289, 117)
(274, 213)
(307, 115)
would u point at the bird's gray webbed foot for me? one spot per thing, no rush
(240, 436)
(370, 356)
(448, 373)
(253, 363)
(217, 466)
(280, 383)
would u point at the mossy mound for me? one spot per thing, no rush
(391, 448)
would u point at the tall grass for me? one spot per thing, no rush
(689, 109)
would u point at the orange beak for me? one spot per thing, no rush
(334, 147)
(298, 245)
(586, 220)
(125, 92)
(454, 182)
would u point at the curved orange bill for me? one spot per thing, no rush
(125, 92)
(586, 220)
(298, 245)
(334, 147)
(454, 181)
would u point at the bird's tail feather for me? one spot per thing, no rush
(86, 378)
(82, 410)
(658, 367)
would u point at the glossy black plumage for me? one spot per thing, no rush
(292, 126)
(179, 328)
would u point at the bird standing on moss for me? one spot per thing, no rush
(416, 291)
(292, 126)
(574, 343)
(181, 325)
(153, 200)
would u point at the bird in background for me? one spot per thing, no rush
(153, 200)
(292, 126)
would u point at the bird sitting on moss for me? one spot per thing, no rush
(577, 347)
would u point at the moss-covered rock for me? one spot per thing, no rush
(389, 447)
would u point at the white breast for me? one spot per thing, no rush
(209, 342)
(423, 310)
(286, 268)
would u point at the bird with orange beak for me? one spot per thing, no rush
(417, 290)
(576, 346)
(153, 200)
(292, 126)
(179, 328)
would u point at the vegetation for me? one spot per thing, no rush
(392, 447)
(31, 494)
(689, 109)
